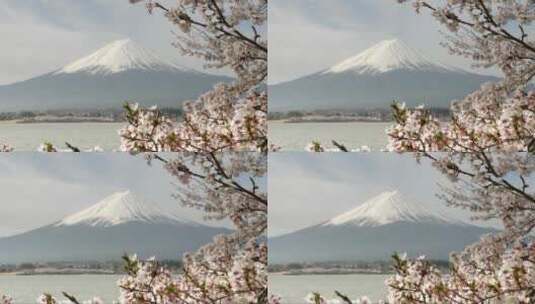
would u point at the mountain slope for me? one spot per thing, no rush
(376, 229)
(389, 70)
(120, 56)
(121, 223)
(386, 56)
(122, 207)
(120, 71)
(390, 207)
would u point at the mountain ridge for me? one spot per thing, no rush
(122, 207)
(390, 207)
(118, 72)
(374, 230)
(386, 56)
(120, 223)
(374, 78)
(119, 56)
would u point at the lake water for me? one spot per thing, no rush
(28, 137)
(288, 136)
(294, 289)
(26, 289)
(296, 136)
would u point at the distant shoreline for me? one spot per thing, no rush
(334, 121)
(43, 272)
(64, 274)
(37, 121)
(329, 272)
(328, 120)
(93, 121)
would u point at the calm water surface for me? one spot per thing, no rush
(294, 289)
(288, 136)
(26, 289)
(28, 137)
(296, 136)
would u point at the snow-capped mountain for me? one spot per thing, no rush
(120, 223)
(123, 207)
(120, 56)
(386, 56)
(390, 207)
(387, 71)
(375, 229)
(118, 72)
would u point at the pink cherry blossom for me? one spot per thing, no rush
(487, 152)
(5, 147)
(225, 34)
(231, 269)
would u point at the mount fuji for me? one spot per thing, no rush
(387, 71)
(376, 229)
(118, 72)
(120, 223)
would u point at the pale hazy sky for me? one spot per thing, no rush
(39, 36)
(306, 36)
(38, 189)
(309, 188)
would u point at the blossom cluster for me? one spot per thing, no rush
(487, 152)
(487, 272)
(216, 121)
(225, 34)
(231, 269)
(5, 147)
(227, 278)
(5, 299)
(488, 119)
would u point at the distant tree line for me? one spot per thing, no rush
(379, 266)
(111, 114)
(174, 266)
(378, 114)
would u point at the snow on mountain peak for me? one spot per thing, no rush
(119, 56)
(390, 207)
(120, 208)
(386, 56)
